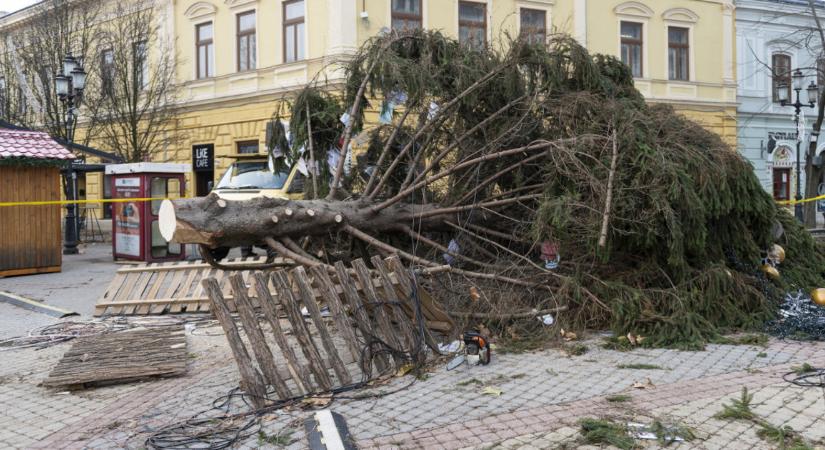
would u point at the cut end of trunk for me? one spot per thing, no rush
(175, 230)
(166, 220)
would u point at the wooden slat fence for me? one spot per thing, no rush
(305, 353)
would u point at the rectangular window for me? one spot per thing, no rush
(678, 46)
(472, 23)
(534, 25)
(107, 71)
(141, 66)
(205, 50)
(406, 15)
(248, 147)
(246, 41)
(781, 68)
(781, 184)
(632, 42)
(294, 43)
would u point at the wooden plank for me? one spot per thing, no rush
(385, 331)
(299, 372)
(162, 268)
(391, 295)
(381, 361)
(137, 291)
(299, 330)
(29, 271)
(304, 286)
(199, 288)
(405, 282)
(256, 337)
(124, 292)
(339, 314)
(173, 287)
(152, 293)
(430, 308)
(251, 380)
(113, 288)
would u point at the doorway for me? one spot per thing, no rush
(781, 183)
(202, 180)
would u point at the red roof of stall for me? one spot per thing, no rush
(31, 144)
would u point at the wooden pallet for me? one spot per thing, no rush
(121, 357)
(162, 288)
(360, 311)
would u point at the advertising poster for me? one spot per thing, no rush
(127, 217)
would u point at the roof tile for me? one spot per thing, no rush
(31, 144)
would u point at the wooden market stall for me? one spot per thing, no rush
(30, 236)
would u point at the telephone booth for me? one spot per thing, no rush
(135, 231)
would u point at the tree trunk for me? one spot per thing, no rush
(216, 222)
(813, 176)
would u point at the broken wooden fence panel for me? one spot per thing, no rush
(357, 318)
(251, 380)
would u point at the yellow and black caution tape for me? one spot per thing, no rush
(126, 200)
(83, 202)
(804, 200)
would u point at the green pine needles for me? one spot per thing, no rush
(686, 220)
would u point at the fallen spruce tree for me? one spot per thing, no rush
(531, 178)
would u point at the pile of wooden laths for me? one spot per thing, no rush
(121, 357)
(328, 328)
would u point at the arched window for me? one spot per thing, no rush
(781, 71)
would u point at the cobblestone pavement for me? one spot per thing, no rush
(543, 395)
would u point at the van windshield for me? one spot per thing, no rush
(252, 175)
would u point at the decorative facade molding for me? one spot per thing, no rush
(200, 10)
(633, 9)
(232, 4)
(783, 45)
(680, 15)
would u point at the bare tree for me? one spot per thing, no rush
(31, 54)
(814, 174)
(137, 83)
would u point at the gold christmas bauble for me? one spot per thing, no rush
(818, 296)
(778, 253)
(770, 271)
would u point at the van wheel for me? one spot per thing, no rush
(219, 253)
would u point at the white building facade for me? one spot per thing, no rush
(774, 38)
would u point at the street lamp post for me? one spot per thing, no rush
(813, 92)
(69, 85)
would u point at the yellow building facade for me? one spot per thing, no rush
(241, 58)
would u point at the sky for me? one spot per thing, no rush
(14, 5)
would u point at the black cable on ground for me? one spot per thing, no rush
(226, 429)
(810, 378)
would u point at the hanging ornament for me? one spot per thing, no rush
(770, 271)
(818, 296)
(777, 253)
(550, 255)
